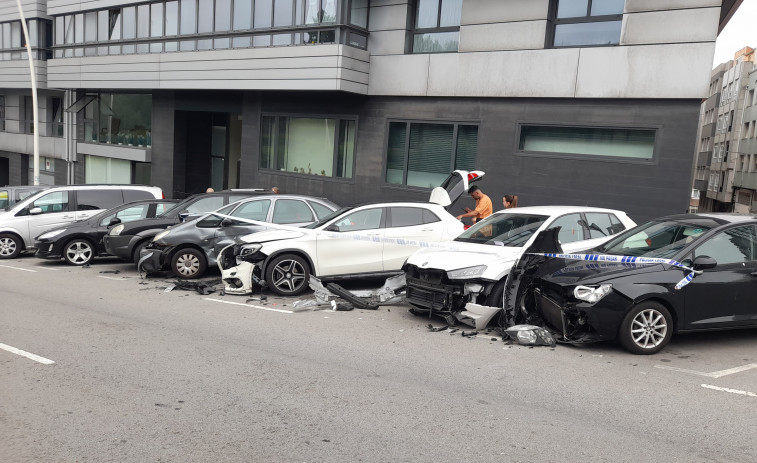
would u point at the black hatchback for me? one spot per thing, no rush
(708, 282)
(79, 242)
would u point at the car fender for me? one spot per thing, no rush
(661, 292)
(17, 233)
(149, 233)
(279, 252)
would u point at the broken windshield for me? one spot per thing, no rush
(503, 229)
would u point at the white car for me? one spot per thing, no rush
(359, 241)
(467, 282)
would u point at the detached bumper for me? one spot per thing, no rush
(238, 280)
(151, 260)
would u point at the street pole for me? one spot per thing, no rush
(34, 92)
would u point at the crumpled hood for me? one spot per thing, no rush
(272, 235)
(498, 259)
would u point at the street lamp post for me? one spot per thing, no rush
(34, 92)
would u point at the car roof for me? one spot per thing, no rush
(556, 210)
(711, 219)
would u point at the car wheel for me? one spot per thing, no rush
(188, 263)
(79, 252)
(138, 250)
(288, 275)
(646, 329)
(10, 246)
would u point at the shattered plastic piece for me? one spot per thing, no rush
(388, 293)
(359, 302)
(468, 334)
(435, 329)
(239, 279)
(169, 289)
(452, 330)
(341, 307)
(201, 288)
(477, 316)
(115, 272)
(531, 335)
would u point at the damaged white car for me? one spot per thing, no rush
(468, 282)
(354, 242)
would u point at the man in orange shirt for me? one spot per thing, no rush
(483, 205)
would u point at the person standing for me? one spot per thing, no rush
(483, 205)
(510, 201)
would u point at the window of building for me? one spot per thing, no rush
(56, 116)
(423, 154)
(308, 145)
(576, 23)
(115, 118)
(730, 121)
(635, 144)
(98, 169)
(437, 26)
(2, 113)
(27, 111)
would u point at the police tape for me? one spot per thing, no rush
(635, 260)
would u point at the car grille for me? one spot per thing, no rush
(428, 289)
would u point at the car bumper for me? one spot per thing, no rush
(119, 246)
(47, 250)
(151, 260)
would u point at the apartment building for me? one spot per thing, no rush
(559, 101)
(723, 177)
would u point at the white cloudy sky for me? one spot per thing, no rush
(741, 31)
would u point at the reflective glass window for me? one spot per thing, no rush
(59, 30)
(90, 27)
(115, 24)
(89, 200)
(733, 246)
(172, 18)
(156, 20)
(320, 210)
(615, 142)
(576, 23)
(52, 202)
(188, 18)
(79, 28)
(359, 13)
(571, 228)
(406, 216)
(598, 33)
(242, 14)
(223, 15)
(102, 26)
(263, 13)
(205, 16)
(253, 210)
(129, 23)
(283, 13)
(143, 21)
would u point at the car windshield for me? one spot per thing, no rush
(329, 217)
(654, 239)
(503, 229)
(36, 193)
(178, 207)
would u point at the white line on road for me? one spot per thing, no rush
(732, 391)
(19, 268)
(714, 374)
(112, 278)
(51, 269)
(28, 355)
(249, 305)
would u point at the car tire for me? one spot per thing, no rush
(79, 252)
(288, 275)
(646, 329)
(188, 264)
(10, 246)
(138, 250)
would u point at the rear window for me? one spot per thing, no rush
(136, 195)
(601, 225)
(406, 216)
(91, 200)
(291, 211)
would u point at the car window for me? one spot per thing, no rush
(254, 210)
(601, 225)
(90, 200)
(291, 211)
(237, 197)
(406, 216)
(136, 195)
(4, 201)
(732, 246)
(207, 204)
(511, 229)
(52, 202)
(212, 221)
(655, 239)
(320, 210)
(127, 215)
(22, 195)
(161, 208)
(430, 217)
(571, 228)
(366, 219)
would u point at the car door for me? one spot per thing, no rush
(56, 211)
(725, 296)
(571, 233)
(228, 230)
(408, 223)
(92, 202)
(352, 243)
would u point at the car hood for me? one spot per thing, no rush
(272, 235)
(566, 272)
(498, 259)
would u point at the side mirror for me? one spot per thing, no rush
(227, 222)
(35, 211)
(114, 221)
(332, 228)
(704, 263)
(183, 215)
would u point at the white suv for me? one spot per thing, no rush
(61, 205)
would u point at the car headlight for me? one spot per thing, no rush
(249, 249)
(115, 231)
(50, 234)
(591, 294)
(468, 272)
(162, 234)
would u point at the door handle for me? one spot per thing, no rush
(427, 229)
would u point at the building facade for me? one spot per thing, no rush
(585, 102)
(727, 150)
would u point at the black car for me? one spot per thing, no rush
(127, 240)
(642, 305)
(79, 242)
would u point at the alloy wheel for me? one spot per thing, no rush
(79, 253)
(7, 246)
(288, 275)
(649, 328)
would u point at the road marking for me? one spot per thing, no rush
(714, 374)
(19, 268)
(732, 391)
(51, 269)
(112, 278)
(28, 355)
(249, 305)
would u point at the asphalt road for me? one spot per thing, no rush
(144, 375)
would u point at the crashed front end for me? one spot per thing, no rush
(241, 267)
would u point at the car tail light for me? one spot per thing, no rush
(471, 176)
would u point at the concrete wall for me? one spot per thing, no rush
(32, 9)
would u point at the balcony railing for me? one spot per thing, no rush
(745, 180)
